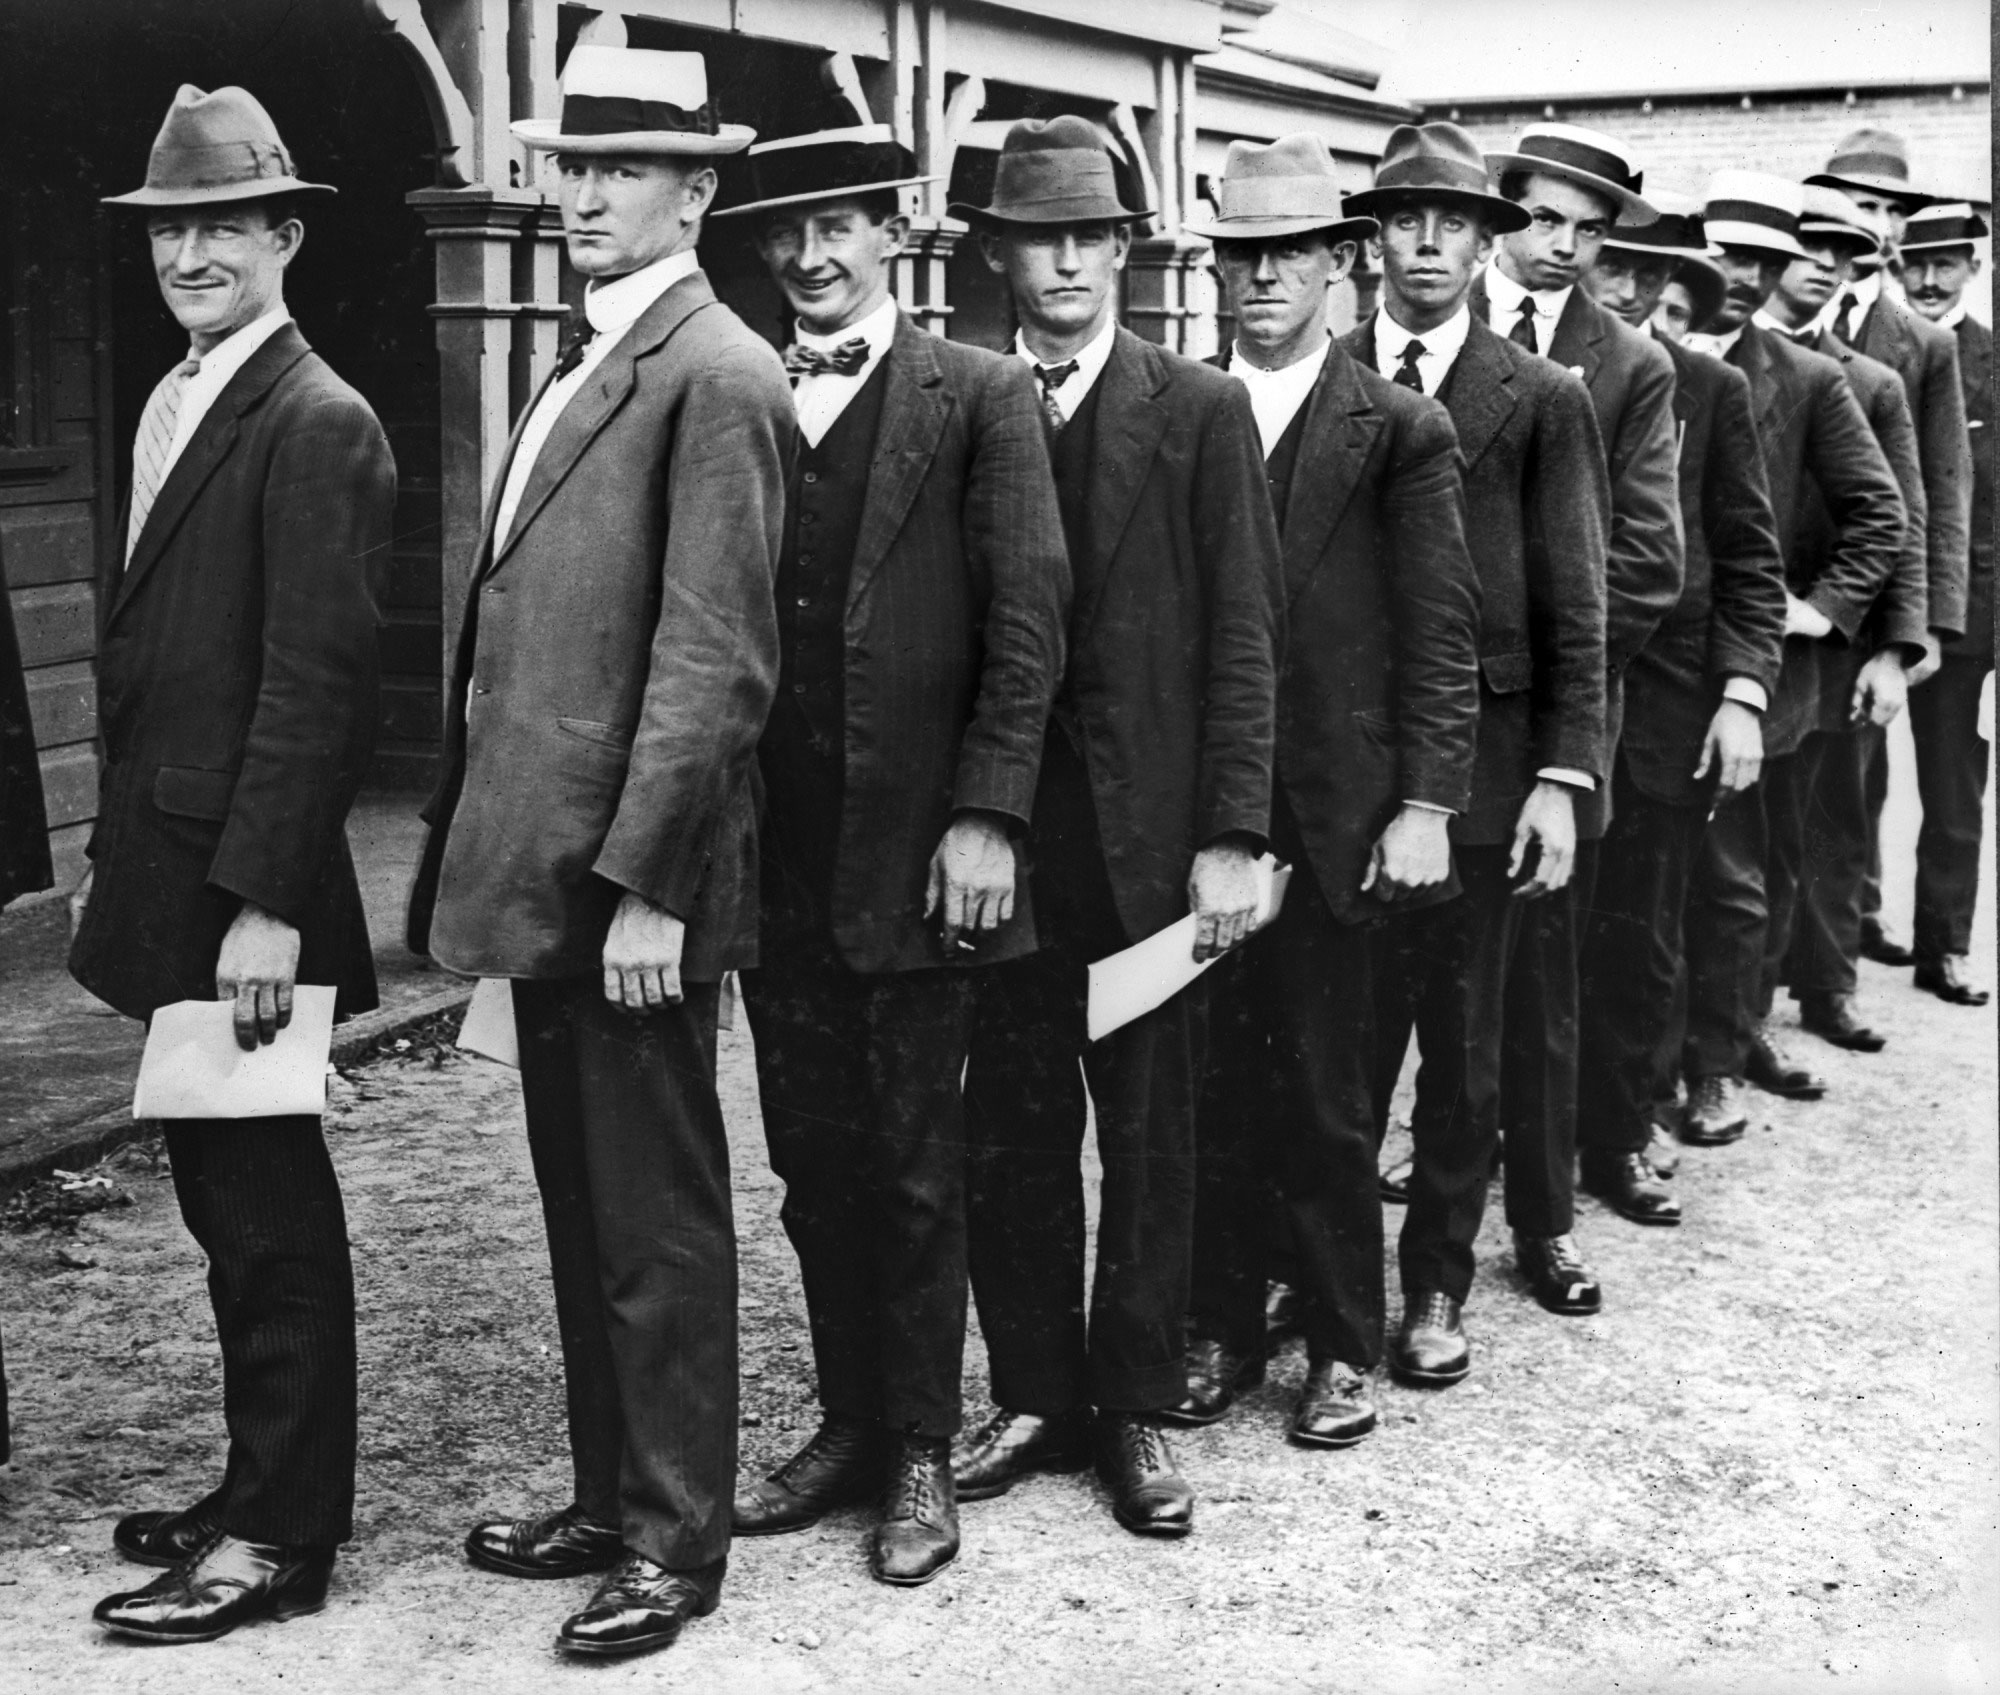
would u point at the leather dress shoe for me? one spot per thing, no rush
(1832, 1018)
(1776, 1072)
(1663, 1152)
(1555, 1271)
(229, 1582)
(842, 1464)
(1430, 1349)
(561, 1544)
(1148, 1494)
(918, 1535)
(1716, 1114)
(1876, 945)
(1394, 1183)
(1284, 1312)
(1632, 1185)
(1215, 1377)
(1011, 1445)
(1336, 1406)
(641, 1606)
(1949, 979)
(165, 1539)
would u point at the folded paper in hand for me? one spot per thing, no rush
(488, 1029)
(1131, 984)
(192, 1067)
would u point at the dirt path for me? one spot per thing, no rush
(1770, 1464)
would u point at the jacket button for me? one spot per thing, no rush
(812, 476)
(805, 600)
(798, 688)
(805, 558)
(481, 688)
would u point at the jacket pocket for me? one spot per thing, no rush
(599, 735)
(1508, 673)
(191, 791)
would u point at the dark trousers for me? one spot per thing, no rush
(1629, 966)
(627, 1140)
(1839, 818)
(859, 1077)
(1786, 786)
(260, 1198)
(1952, 760)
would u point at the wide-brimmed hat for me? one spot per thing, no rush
(214, 149)
(1830, 215)
(1947, 223)
(829, 164)
(1675, 233)
(634, 100)
(1436, 162)
(1286, 188)
(1702, 277)
(1054, 172)
(1587, 157)
(1753, 209)
(1874, 159)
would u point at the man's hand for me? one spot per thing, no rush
(1927, 667)
(1880, 690)
(1548, 820)
(257, 966)
(971, 879)
(1733, 748)
(1222, 890)
(1413, 853)
(1804, 619)
(79, 900)
(642, 955)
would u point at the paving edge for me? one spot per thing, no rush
(89, 1140)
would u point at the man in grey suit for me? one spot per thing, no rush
(593, 836)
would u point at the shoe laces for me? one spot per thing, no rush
(1433, 1312)
(1562, 1257)
(1711, 1094)
(915, 1482)
(826, 1438)
(1145, 1445)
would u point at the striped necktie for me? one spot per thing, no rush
(155, 439)
(1052, 377)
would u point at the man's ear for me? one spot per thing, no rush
(1344, 255)
(895, 234)
(698, 192)
(989, 244)
(289, 236)
(1123, 241)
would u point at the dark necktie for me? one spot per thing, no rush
(1052, 377)
(1407, 373)
(1523, 332)
(1807, 337)
(1843, 322)
(843, 361)
(572, 353)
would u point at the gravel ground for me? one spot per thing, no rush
(1770, 1464)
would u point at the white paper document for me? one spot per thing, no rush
(1148, 974)
(192, 1067)
(488, 1029)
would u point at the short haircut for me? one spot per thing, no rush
(1514, 187)
(279, 209)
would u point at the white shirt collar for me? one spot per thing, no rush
(232, 353)
(615, 306)
(820, 400)
(1864, 291)
(1717, 346)
(1442, 345)
(1504, 296)
(1276, 396)
(1956, 316)
(1763, 319)
(1090, 362)
(878, 329)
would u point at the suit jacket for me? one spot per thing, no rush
(24, 821)
(1975, 367)
(956, 601)
(1817, 447)
(1730, 618)
(1926, 358)
(1537, 519)
(236, 679)
(616, 663)
(1378, 697)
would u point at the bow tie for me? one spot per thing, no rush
(843, 361)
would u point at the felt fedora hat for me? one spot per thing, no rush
(1587, 157)
(1053, 172)
(634, 100)
(1830, 216)
(1874, 159)
(1948, 223)
(1675, 233)
(213, 149)
(829, 164)
(1753, 209)
(1287, 188)
(1435, 162)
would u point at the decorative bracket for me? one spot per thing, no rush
(451, 118)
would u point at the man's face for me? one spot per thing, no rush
(621, 212)
(1673, 317)
(220, 267)
(831, 259)
(1627, 284)
(1061, 275)
(1808, 284)
(1934, 279)
(1430, 252)
(1561, 242)
(1749, 276)
(1277, 288)
(1883, 213)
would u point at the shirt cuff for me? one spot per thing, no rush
(1747, 691)
(1569, 779)
(1431, 806)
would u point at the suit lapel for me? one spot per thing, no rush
(1130, 425)
(488, 542)
(1340, 430)
(1579, 339)
(1757, 366)
(1479, 392)
(914, 407)
(206, 449)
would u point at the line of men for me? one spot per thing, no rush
(910, 679)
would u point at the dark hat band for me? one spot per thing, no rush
(1944, 232)
(1562, 152)
(831, 168)
(1671, 230)
(1429, 171)
(1869, 164)
(225, 164)
(603, 114)
(1750, 212)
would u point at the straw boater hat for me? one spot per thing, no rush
(1676, 236)
(1587, 157)
(829, 164)
(1287, 188)
(1752, 209)
(1830, 215)
(1948, 223)
(214, 149)
(1436, 162)
(1874, 159)
(634, 100)
(1053, 172)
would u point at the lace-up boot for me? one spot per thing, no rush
(1148, 1494)
(918, 1536)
